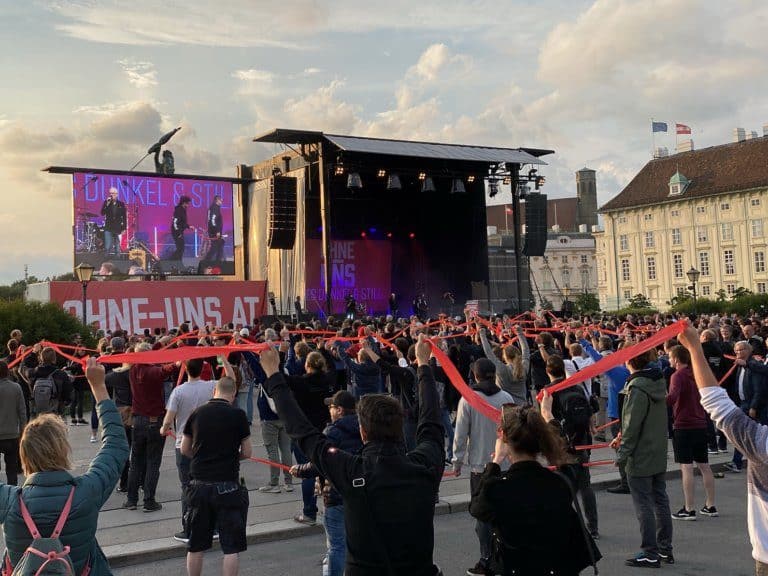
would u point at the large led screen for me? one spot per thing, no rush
(133, 224)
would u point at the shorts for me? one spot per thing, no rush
(690, 446)
(217, 505)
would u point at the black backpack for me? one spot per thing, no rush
(576, 413)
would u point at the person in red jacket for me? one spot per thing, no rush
(690, 434)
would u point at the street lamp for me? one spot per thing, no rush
(84, 273)
(693, 276)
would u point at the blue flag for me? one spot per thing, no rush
(658, 126)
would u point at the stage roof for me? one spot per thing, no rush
(73, 169)
(408, 148)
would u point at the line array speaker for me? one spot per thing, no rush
(535, 224)
(282, 212)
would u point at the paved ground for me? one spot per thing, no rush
(707, 546)
(133, 537)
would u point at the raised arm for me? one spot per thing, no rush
(430, 449)
(488, 350)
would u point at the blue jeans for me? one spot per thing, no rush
(336, 540)
(244, 401)
(307, 486)
(111, 242)
(448, 427)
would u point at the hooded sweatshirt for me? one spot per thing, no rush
(475, 429)
(644, 424)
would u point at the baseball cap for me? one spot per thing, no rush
(342, 399)
(245, 332)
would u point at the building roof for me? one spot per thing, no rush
(716, 170)
(434, 150)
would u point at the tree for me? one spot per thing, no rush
(639, 301)
(42, 322)
(587, 302)
(741, 292)
(722, 296)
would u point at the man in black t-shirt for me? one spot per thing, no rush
(216, 438)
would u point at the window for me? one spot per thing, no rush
(680, 290)
(706, 290)
(674, 213)
(757, 228)
(563, 240)
(701, 209)
(625, 269)
(566, 274)
(650, 242)
(622, 219)
(674, 189)
(651, 265)
(729, 262)
(623, 242)
(585, 279)
(725, 206)
(677, 238)
(754, 202)
(730, 289)
(564, 259)
(761, 287)
(627, 294)
(701, 234)
(677, 264)
(759, 262)
(648, 217)
(704, 263)
(584, 259)
(726, 231)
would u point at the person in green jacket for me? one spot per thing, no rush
(642, 448)
(45, 458)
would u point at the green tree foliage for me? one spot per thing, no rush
(41, 322)
(587, 302)
(639, 301)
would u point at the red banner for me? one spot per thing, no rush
(134, 306)
(362, 268)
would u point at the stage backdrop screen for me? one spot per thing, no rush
(139, 224)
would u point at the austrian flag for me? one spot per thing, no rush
(683, 129)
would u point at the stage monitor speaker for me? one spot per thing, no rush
(535, 225)
(282, 212)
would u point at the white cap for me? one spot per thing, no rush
(245, 332)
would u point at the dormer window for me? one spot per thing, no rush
(678, 184)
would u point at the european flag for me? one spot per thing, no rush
(658, 126)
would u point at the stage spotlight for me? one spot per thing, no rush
(470, 179)
(412, 235)
(363, 234)
(422, 175)
(389, 234)
(372, 230)
(393, 182)
(339, 169)
(457, 187)
(354, 182)
(428, 185)
(381, 173)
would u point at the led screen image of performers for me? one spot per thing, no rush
(147, 224)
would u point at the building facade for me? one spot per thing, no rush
(701, 209)
(567, 269)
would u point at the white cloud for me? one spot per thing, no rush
(141, 74)
(322, 110)
(255, 82)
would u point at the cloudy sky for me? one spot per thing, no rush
(94, 82)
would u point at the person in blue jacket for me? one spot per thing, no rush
(45, 458)
(617, 377)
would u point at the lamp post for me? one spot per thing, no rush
(693, 276)
(84, 273)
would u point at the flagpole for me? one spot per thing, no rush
(677, 137)
(653, 140)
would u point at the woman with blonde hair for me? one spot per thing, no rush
(536, 528)
(45, 455)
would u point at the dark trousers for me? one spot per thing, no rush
(615, 429)
(127, 465)
(182, 465)
(146, 456)
(483, 530)
(179, 252)
(649, 497)
(10, 451)
(588, 500)
(76, 408)
(216, 251)
(307, 486)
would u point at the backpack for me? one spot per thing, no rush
(44, 556)
(43, 393)
(576, 415)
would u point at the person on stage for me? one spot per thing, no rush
(393, 304)
(420, 306)
(115, 218)
(216, 251)
(351, 306)
(178, 225)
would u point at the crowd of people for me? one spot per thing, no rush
(369, 414)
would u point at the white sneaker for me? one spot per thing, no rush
(270, 489)
(288, 487)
